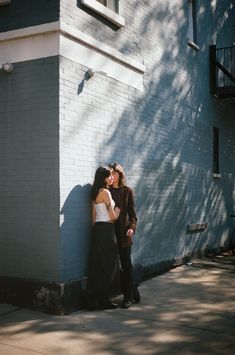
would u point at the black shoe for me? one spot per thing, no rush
(107, 304)
(136, 295)
(126, 304)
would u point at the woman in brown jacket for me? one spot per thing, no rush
(125, 227)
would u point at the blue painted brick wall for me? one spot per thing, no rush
(57, 128)
(29, 170)
(162, 137)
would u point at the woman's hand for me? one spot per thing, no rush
(129, 232)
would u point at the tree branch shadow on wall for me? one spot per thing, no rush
(155, 135)
(163, 130)
(157, 166)
(82, 83)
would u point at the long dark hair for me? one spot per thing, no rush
(119, 169)
(99, 181)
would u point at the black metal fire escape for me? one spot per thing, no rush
(222, 71)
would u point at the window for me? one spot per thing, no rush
(4, 2)
(192, 24)
(111, 4)
(215, 150)
(106, 8)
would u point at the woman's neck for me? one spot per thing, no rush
(115, 185)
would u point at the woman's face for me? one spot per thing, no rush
(115, 176)
(109, 180)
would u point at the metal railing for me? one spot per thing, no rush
(225, 58)
(222, 71)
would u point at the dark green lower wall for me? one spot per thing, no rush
(25, 13)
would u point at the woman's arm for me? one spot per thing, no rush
(131, 213)
(113, 212)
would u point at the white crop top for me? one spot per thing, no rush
(102, 214)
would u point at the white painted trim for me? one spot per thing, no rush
(86, 56)
(191, 33)
(104, 11)
(193, 46)
(77, 35)
(29, 48)
(60, 39)
(109, 51)
(190, 21)
(216, 176)
(4, 2)
(30, 31)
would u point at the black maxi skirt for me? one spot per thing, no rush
(103, 268)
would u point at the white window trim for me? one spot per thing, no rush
(4, 2)
(191, 42)
(105, 12)
(216, 176)
(193, 45)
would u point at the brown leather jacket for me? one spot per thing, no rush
(124, 199)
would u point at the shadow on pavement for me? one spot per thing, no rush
(189, 310)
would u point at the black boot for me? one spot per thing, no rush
(136, 294)
(106, 303)
(127, 303)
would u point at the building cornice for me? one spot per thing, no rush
(58, 38)
(76, 35)
(101, 47)
(30, 31)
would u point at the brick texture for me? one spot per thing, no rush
(162, 137)
(29, 169)
(57, 127)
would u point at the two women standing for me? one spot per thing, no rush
(115, 222)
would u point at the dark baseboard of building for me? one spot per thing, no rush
(64, 298)
(162, 267)
(49, 297)
(216, 251)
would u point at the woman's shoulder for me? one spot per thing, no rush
(128, 188)
(122, 189)
(105, 192)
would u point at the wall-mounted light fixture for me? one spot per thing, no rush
(7, 67)
(91, 72)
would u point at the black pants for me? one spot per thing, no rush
(126, 275)
(103, 268)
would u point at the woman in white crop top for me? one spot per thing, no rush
(103, 267)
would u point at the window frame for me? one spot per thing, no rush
(192, 25)
(103, 1)
(216, 151)
(111, 4)
(105, 11)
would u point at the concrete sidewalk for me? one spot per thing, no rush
(189, 310)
